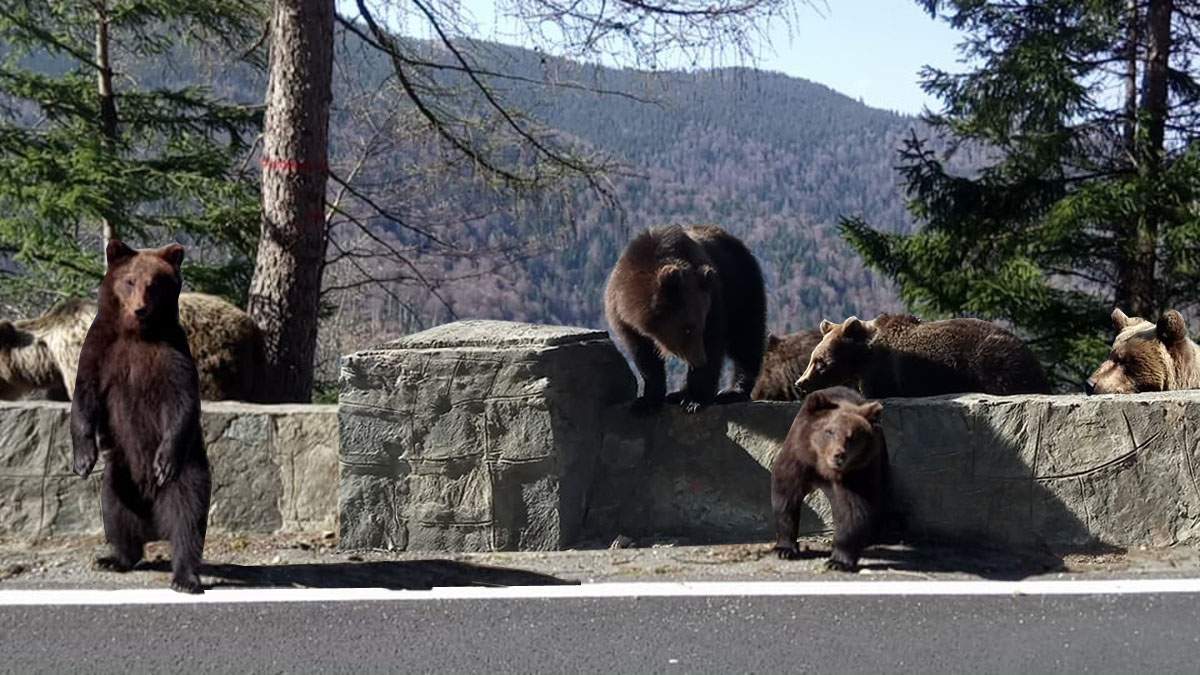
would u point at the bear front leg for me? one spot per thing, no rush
(787, 496)
(180, 425)
(87, 417)
(652, 369)
(853, 526)
(702, 381)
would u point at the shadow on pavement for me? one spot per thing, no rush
(390, 574)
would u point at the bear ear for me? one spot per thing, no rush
(173, 254)
(1171, 328)
(116, 252)
(826, 326)
(772, 341)
(1119, 319)
(871, 411)
(857, 329)
(819, 400)
(669, 276)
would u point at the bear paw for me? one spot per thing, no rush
(189, 584)
(732, 396)
(85, 461)
(835, 565)
(110, 563)
(165, 468)
(787, 552)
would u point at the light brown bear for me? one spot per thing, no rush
(1148, 357)
(42, 354)
(784, 363)
(900, 355)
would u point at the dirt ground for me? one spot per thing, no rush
(313, 560)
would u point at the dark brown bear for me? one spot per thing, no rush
(695, 293)
(835, 443)
(900, 355)
(137, 396)
(784, 363)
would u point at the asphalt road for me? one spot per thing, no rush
(1157, 633)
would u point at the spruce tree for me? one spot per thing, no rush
(1088, 196)
(94, 142)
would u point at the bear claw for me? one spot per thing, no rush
(110, 563)
(787, 552)
(190, 585)
(835, 565)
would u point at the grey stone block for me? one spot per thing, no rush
(274, 470)
(1058, 472)
(474, 436)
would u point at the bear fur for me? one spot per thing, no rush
(137, 397)
(42, 354)
(695, 293)
(1148, 357)
(783, 363)
(835, 443)
(900, 355)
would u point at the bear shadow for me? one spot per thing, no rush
(411, 575)
(979, 510)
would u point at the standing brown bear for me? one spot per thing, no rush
(137, 396)
(835, 443)
(783, 363)
(695, 293)
(900, 355)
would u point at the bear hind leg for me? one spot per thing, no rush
(124, 528)
(182, 514)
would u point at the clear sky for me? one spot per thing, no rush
(866, 49)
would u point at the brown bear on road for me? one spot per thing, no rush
(137, 397)
(1148, 357)
(695, 293)
(43, 353)
(834, 443)
(783, 363)
(900, 355)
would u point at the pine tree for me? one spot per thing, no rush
(1087, 112)
(88, 151)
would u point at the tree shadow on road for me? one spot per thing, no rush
(410, 575)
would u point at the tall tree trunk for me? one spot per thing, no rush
(1133, 39)
(285, 291)
(1137, 288)
(108, 102)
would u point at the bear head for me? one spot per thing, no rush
(141, 287)
(17, 348)
(841, 430)
(840, 356)
(679, 308)
(1144, 356)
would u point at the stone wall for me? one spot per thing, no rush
(500, 436)
(274, 470)
(474, 436)
(1057, 472)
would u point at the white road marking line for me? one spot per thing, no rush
(164, 596)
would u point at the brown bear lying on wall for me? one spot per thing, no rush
(43, 353)
(784, 363)
(1148, 357)
(138, 399)
(900, 355)
(834, 444)
(695, 293)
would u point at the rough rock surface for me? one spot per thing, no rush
(274, 470)
(474, 436)
(1059, 472)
